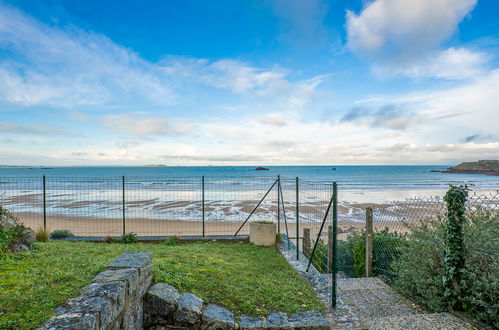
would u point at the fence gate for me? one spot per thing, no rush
(323, 254)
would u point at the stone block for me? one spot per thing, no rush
(308, 320)
(116, 291)
(278, 320)
(142, 261)
(252, 323)
(189, 310)
(72, 321)
(100, 306)
(161, 299)
(129, 275)
(217, 318)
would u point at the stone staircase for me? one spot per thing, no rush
(369, 303)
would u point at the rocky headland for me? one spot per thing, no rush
(487, 167)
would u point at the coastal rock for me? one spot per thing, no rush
(19, 248)
(189, 310)
(23, 237)
(260, 168)
(486, 167)
(7, 221)
(218, 318)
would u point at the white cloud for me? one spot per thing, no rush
(452, 114)
(271, 119)
(227, 74)
(144, 126)
(71, 67)
(453, 63)
(404, 37)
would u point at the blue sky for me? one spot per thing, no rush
(283, 82)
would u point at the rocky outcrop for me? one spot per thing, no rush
(486, 167)
(22, 237)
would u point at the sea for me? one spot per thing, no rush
(157, 191)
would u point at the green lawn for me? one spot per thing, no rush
(245, 278)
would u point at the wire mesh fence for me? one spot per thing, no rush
(396, 223)
(164, 206)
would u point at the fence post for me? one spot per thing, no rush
(202, 202)
(123, 205)
(44, 203)
(278, 204)
(330, 249)
(335, 244)
(306, 242)
(369, 242)
(454, 261)
(297, 222)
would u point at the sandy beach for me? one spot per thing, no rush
(101, 227)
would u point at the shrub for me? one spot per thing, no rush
(42, 235)
(481, 268)
(6, 238)
(129, 238)
(421, 268)
(170, 241)
(264, 222)
(352, 253)
(61, 233)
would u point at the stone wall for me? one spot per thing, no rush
(167, 308)
(114, 299)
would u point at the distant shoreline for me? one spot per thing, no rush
(485, 167)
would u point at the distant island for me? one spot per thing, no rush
(154, 165)
(260, 168)
(487, 167)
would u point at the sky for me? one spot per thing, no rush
(255, 82)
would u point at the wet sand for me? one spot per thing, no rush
(80, 226)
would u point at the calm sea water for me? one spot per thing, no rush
(230, 192)
(347, 177)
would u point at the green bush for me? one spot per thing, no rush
(481, 268)
(61, 233)
(129, 238)
(42, 235)
(420, 267)
(6, 238)
(171, 241)
(352, 253)
(264, 222)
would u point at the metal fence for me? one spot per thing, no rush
(165, 206)
(393, 224)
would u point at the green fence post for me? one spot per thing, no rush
(335, 244)
(123, 205)
(278, 204)
(202, 203)
(44, 202)
(297, 222)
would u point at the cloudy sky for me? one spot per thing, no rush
(282, 82)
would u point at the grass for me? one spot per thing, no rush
(245, 278)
